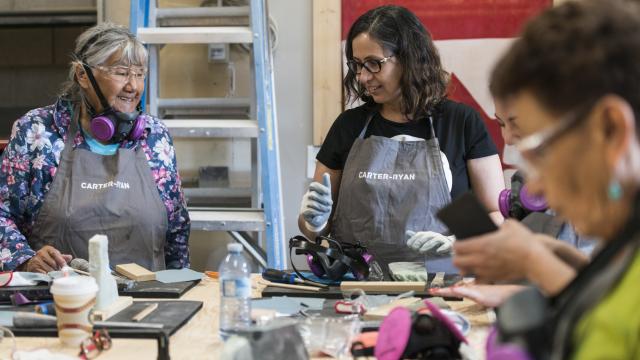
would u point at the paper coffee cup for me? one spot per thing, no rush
(74, 297)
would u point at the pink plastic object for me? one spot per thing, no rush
(497, 351)
(393, 335)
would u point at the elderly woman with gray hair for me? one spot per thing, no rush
(93, 163)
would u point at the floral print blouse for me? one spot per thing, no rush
(29, 164)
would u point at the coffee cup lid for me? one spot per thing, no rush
(74, 285)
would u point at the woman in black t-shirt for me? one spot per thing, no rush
(390, 164)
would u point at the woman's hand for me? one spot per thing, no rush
(514, 253)
(502, 255)
(46, 259)
(485, 295)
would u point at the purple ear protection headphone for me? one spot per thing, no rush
(520, 332)
(110, 125)
(517, 202)
(333, 261)
(498, 351)
(424, 334)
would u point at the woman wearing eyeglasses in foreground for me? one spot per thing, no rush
(93, 163)
(575, 83)
(386, 167)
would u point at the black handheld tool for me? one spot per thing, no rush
(466, 217)
(286, 278)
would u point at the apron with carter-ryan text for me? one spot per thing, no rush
(114, 195)
(387, 188)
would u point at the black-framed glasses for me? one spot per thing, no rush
(372, 65)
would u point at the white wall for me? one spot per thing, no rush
(293, 75)
(293, 85)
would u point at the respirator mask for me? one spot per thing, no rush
(423, 334)
(333, 260)
(109, 125)
(518, 202)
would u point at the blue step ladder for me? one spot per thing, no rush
(266, 214)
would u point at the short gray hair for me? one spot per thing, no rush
(96, 45)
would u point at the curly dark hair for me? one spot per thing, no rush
(573, 54)
(398, 31)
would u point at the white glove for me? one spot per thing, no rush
(429, 242)
(316, 204)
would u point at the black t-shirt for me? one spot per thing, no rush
(460, 131)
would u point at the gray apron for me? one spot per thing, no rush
(113, 195)
(387, 188)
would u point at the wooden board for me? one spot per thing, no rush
(384, 286)
(381, 312)
(334, 292)
(121, 303)
(327, 66)
(135, 272)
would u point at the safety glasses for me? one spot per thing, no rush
(122, 74)
(533, 148)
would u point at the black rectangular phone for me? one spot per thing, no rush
(466, 217)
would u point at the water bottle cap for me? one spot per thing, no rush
(234, 247)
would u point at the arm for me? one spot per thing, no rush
(14, 190)
(513, 253)
(485, 295)
(487, 180)
(571, 255)
(29, 164)
(548, 271)
(164, 168)
(336, 176)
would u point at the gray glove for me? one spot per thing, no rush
(316, 204)
(429, 242)
(408, 271)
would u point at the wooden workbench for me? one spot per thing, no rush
(199, 339)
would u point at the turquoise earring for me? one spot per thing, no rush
(615, 190)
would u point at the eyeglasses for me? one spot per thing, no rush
(372, 65)
(122, 74)
(532, 148)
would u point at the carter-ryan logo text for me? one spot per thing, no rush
(115, 184)
(385, 176)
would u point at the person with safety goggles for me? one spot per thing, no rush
(93, 163)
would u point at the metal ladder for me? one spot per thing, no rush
(266, 213)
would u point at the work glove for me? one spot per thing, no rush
(316, 204)
(408, 271)
(429, 242)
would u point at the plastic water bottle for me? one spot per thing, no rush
(235, 292)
